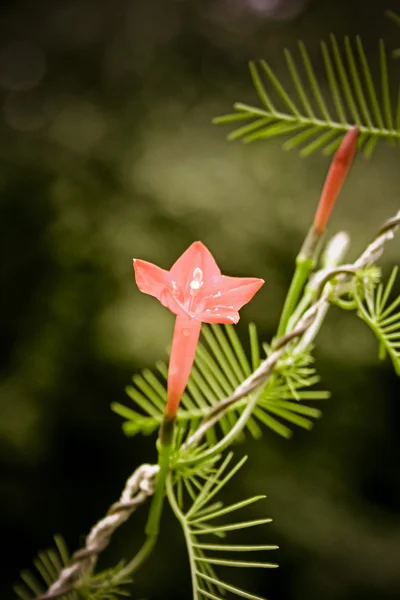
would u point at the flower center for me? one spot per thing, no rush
(196, 282)
(195, 286)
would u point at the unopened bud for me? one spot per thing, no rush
(335, 178)
(335, 250)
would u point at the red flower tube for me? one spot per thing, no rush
(196, 292)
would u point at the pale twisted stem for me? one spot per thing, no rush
(374, 251)
(138, 488)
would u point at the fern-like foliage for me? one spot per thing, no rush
(287, 389)
(201, 525)
(48, 565)
(382, 316)
(310, 122)
(221, 365)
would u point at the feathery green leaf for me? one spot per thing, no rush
(312, 125)
(48, 565)
(381, 315)
(195, 523)
(221, 365)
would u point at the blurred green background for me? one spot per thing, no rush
(108, 152)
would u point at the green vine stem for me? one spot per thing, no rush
(303, 269)
(165, 445)
(305, 263)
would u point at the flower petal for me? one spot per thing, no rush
(233, 292)
(197, 256)
(171, 301)
(219, 314)
(151, 279)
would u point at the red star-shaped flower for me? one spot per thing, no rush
(196, 292)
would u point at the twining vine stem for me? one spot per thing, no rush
(140, 485)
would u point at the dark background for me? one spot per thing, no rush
(108, 152)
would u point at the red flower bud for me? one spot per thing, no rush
(337, 173)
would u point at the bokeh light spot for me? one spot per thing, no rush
(22, 66)
(78, 127)
(27, 111)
